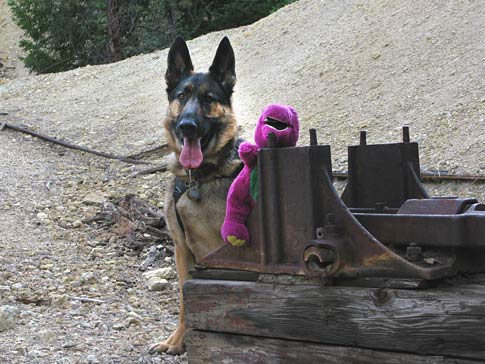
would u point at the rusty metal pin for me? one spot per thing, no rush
(405, 134)
(414, 253)
(313, 137)
(363, 137)
(271, 140)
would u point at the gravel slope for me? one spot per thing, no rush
(345, 65)
(50, 261)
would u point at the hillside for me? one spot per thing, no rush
(345, 65)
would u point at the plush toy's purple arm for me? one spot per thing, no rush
(249, 154)
(238, 207)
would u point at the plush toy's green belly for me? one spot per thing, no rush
(253, 184)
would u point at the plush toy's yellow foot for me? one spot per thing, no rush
(234, 241)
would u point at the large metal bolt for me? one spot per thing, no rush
(271, 140)
(414, 253)
(380, 206)
(320, 260)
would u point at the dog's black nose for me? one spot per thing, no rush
(188, 127)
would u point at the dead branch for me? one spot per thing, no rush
(431, 176)
(134, 221)
(70, 145)
(160, 151)
(88, 300)
(161, 168)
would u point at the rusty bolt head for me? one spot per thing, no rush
(414, 253)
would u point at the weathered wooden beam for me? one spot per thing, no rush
(209, 347)
(226, 274)
(447, 321)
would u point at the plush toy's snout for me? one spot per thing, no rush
(280, 120)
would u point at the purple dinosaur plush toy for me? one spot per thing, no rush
(282, 121)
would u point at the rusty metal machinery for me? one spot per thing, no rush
(384, 231)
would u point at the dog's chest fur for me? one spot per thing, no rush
(202, 219)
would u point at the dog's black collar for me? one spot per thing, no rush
(181, 183)
(204, 171)
(179, 189)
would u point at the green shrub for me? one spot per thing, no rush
(65, 34)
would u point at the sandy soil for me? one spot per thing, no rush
(345, 66)
(48, 263)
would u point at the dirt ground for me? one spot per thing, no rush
(48, 263)
(74, 290)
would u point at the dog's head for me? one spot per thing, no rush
(199, 121)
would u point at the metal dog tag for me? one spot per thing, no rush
(192, 188)
(193, 191)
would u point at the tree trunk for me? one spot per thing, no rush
(114, 40)
(172, 20)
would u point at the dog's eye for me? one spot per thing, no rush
(181, 96)
(208, 99)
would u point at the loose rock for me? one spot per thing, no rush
(7, 317)
(165, 273)
(94, 198)
(157, 284)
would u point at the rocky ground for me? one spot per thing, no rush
(72, 291)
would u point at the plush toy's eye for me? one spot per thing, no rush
(181, 96)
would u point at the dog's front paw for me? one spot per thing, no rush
(174, 345)
(166, 347)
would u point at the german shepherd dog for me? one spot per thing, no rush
(201, 131)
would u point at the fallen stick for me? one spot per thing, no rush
(87, 299)
(70, 145)
(430, 176)
(160, 151)
(160, 168)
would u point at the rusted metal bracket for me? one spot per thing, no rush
(383, 173)
(384, 226)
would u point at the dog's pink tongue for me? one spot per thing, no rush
(191, 156)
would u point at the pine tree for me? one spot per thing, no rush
(65, 34)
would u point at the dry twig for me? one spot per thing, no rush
(70, 145)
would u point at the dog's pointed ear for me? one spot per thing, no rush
(179, 63)
(223, 67)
